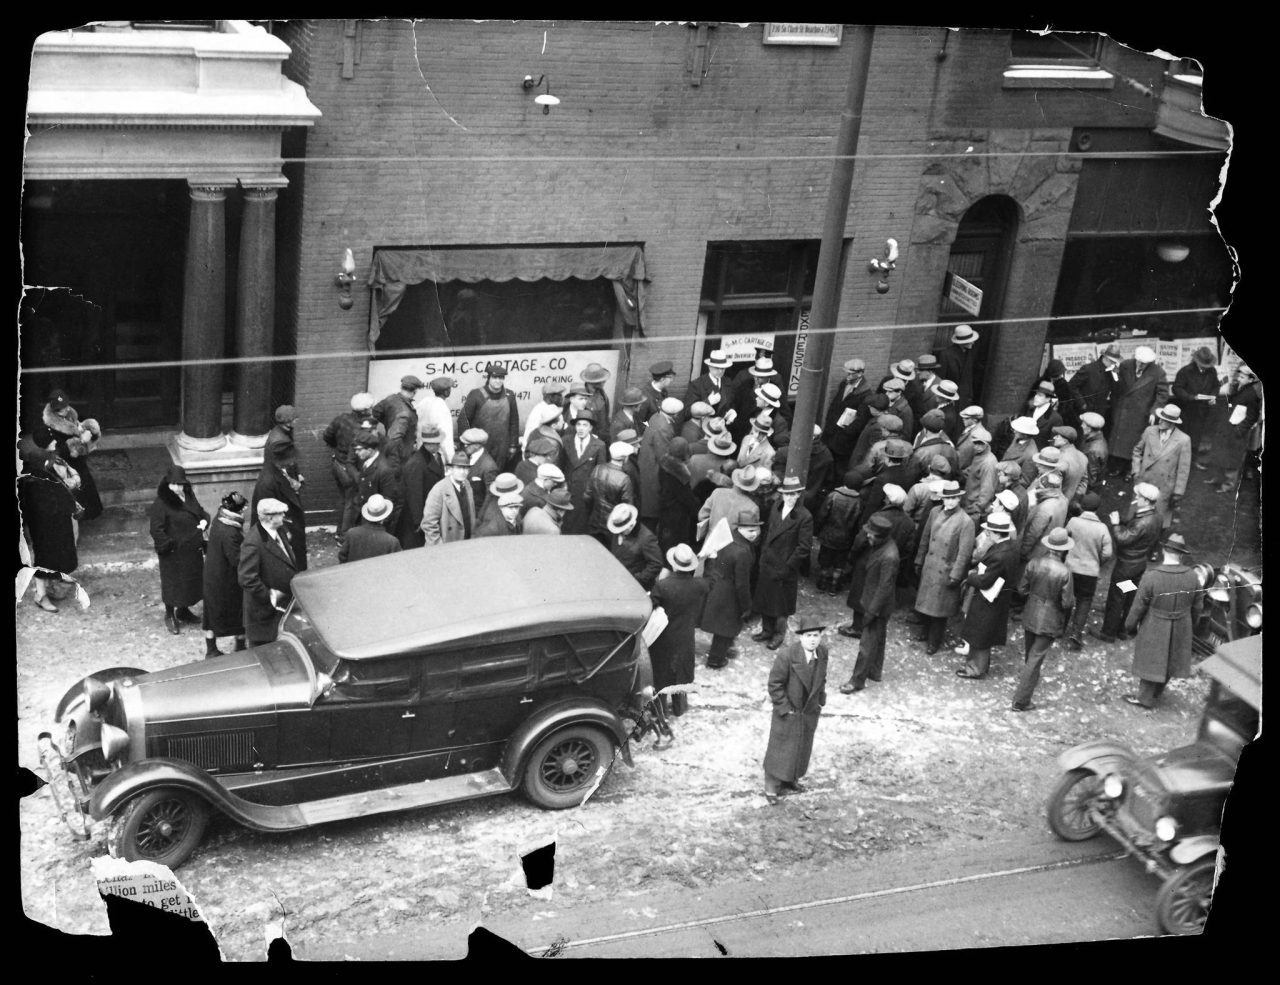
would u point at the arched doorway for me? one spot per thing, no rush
(980, 254)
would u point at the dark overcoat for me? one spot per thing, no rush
(729, 596)
(879, 579)
(654, 446)
(365, 540)
(47, 506)
(577, 476)
(272, 484)
(1091, 388)
(986, 624)
(679, 517)
(638, 552)
(798, 690)
(1165, 609)
(1133, 400)
(223, 599)
(682, 598)
(179, 542)
(946, 545)
(955, 363)
(1231, 441)
(419, 474)
(263, 566)
(784, 550)
(383, 478)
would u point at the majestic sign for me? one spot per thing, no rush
(526, 373)
(786, 33)
(960, 292)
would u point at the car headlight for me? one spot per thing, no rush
(114, 742)
(1113, 786)
(1220, 590)
(1166, 828)
(1253, 615)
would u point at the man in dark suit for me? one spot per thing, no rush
(369, 537)
(266, 570)
(582, 453)
(377, 475)
(399, 416)
(711, 387)
(423, 470)
(876, 603)
(1134, 541)
(483, 468)
(955, 362)
(838, 429)
(276, 482)
(784, 550)
(1092, 383)
(798, 690)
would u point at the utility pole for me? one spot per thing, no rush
(826, 303)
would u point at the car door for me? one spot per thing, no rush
(371, 708)
(432, 735)
(494, 695)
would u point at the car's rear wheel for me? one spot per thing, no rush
(163, 826)
(1182, 904)
(1068, 807)
(566, 765)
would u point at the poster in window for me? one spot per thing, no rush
(1074, 355)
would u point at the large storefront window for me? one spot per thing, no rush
(755, 298)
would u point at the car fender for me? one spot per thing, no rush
(151, 774)
(76, 692)
(1190, 849)
(1099, 755)
(578, 711)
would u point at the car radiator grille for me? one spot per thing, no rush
(214, 750)
(1144, 807)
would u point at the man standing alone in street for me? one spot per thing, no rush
(1164, 613)
(798, 690)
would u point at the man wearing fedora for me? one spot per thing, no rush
(1134, 540)
(712, 388)
(728, 502)
(784, 552)
(1092, 384)
(492, 409)
(728, 573)
(339, 436)
(582, 454)
(747, 401)
(634, 545)
(1162, 457)
(920, 393)
(434, 409)
(654, 445)
(450, 511)
(986, 623)
(682, 597)
(1165, 609)
(798, 690)
(875, 603)
(369, 537)
(892, 472)
(420, 473)
(661, 375)
(941, 562)
(548, 518)
(955, 362)
(595, 376)
(947, 399)
(503, 484)
(1091, 550)
(1195, 388)
(755, 449)
(712, 466)
(609, 487)
(505, 520)
(398, 414)
(1041, 409)
(625, 417)
(1046, 584)
(1141, 389)
(1022, 446)
(842, 413)
(482, 470)
(1093, 444)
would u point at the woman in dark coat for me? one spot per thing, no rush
(46, 494)
(223, 598)
(73, 439)
(178, 522)
(679, 506)
(682, 597)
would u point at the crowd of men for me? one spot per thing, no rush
(908, 492)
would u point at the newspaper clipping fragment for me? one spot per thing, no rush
(147, 883)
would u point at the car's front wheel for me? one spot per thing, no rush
(1182, 904)
(566, 765)
(162, 826)
(1068, 809)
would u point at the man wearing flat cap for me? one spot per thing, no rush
(265, 573)
(929, 442)
(582, 454)
(798, 690)
(1134, 541)
(842, 413)
(1093, 383)
(654, 445)
(955, 362)
(661, 375)
(1094, 446)
(1195, 390)
(399, 415)
(418, 477)
(979, 477)
(450, 511)
(482, 470)
(492, 408)
(548, 478)
(895, 389)
(505, 520)
(1074, 463)
(369, 537)
(279, 449)
(546, 419)
(1162, 457)
(968, 419)
(1141, 389)
(339, 436)
(712, 388)
(1167, 604)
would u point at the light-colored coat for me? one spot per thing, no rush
(979, 484)
(1091, 547)
(724, 503)
(539, 521)
(942, 558)
(1165, 464)
(442, 514)
(1049, 511)
(1075, 469)
(756, 453)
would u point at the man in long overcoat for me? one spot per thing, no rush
(377, 475)
(1141, 389)
(788, 541)
(1168, 603)
(178, 522)
(969, 420)
(582, 453)
(1074, 463)
(275, 482)
(418, 477)
(979, 476)
(1162, 457)
(1195, 390)
(798, 690)
(1093, 382)
(450, 511)
(986, 624)
(1134, 541)
(682, 597)
(1046, 583)
(223, 610)
(728, 604)
(266, 571)
(876, 603)
(654, 445)
(634, 545)
(942, 559)
(838, 428)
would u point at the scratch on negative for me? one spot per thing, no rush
(413, 26)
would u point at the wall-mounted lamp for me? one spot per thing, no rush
(1173, 252)
(543, 99)
(346, 277)
(884, 267)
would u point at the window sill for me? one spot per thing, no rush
(1057, 77)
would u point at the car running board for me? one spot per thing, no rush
(405, 796)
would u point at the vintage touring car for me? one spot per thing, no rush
(419, 678)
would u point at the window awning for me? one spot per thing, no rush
(395, 270)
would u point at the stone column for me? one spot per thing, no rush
(204, 320)
(255, 317)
